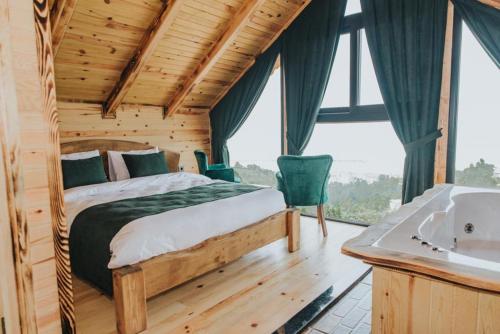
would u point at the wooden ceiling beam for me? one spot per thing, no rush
(147, 46)
(227, 37)
(492, 3)
(60, 15)
(264, 48)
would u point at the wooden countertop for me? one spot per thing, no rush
(363, 247)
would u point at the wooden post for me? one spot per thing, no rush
(129, 291)
(31, 198)
(441, 154)
(293, 230)
(54, 172)
(16, 278)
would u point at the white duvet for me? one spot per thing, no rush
(173, 230)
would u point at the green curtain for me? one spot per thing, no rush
(309, 47)
(406, 42)
(484, 22)
(454, 93)
(232, 111)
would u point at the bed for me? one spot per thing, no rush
(137, 238)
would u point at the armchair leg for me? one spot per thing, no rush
(321, 219)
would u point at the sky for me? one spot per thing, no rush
(369, 149)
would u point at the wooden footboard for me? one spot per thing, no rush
(134, 284)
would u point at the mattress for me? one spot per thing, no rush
(189, 219)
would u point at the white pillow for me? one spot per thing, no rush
(80, 155)
(117, 168)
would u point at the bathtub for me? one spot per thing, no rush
(452, 224)
(436, 263)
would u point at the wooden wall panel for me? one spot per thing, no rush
(186, 131)
(14, 255)
(48, 102)
(409, 303)
(31, 165)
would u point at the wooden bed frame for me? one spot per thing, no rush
(133, 285)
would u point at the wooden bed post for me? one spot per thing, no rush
(293, 230)
(129, 290)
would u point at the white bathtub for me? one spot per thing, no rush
(453, 224)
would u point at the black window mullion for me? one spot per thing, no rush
(355, 112)
(355, 62)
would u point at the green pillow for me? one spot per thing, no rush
(145, 164)
(83, 172)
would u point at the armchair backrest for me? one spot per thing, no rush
(305, 178)
(202, 159)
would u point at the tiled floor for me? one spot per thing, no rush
(352, 314)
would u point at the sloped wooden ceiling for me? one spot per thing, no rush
(197, 48)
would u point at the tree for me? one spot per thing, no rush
(481, 174)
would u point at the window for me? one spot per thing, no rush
(352, 7)
(369, 90)
(352, 94)
(353, 127)
(478, 138)
(254, 156)
(337, 90)
(366, 176)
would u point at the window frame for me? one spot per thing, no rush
(355, 112)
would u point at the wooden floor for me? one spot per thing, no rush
(256, 294)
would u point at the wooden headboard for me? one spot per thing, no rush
(105, 145)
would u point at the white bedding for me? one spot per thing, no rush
(173, 230)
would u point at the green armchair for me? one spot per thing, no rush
(216, 171)
(304, 182)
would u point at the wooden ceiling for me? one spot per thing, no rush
(176, 54)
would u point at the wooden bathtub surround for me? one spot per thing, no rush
(134, 284)
(404, 302)
(144, 51)
(363, 247)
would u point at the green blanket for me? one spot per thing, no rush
(94, 228)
